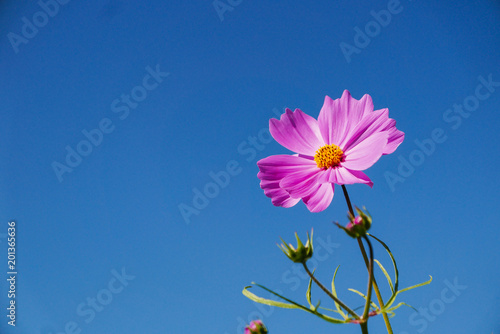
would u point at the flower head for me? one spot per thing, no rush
(359, 225)
(347, 138)
(256, 327)
(302, 253)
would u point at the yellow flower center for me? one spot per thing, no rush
(328, 156)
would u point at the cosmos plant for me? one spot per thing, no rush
(348, 137)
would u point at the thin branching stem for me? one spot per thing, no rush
(338, 301)
(367, 263)
(370, 281)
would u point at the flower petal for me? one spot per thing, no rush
(376, 121)
(278, 166)
(347, 176)
(371, 123)
(396, 137)
(297, 132)
(364, 154)
(328, 176)
(338, 117)
(320, 198)
(273, 169)
(300, 184)
(341, 175)
(279, 196)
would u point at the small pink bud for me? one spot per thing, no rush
(256, 327)
(358, 220)
(359, 225)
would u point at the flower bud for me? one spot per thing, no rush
(256, 327)
(359, 225)
(302, 253)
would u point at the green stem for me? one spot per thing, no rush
(364, 328)
(347, 199)
(377, 291)
(363, 252)
(338, 301)
(370, 281)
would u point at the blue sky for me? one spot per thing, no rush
(116, 113)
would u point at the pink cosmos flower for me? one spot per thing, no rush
(348, 137)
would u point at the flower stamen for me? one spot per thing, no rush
(328, 156)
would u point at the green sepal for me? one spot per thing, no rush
(357, 229)
(349, 232)
(300, 254)
(299, 243)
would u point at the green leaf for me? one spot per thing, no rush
(265, 301)
(388, 305)
(392, 309)
(386, 274)
(334, 292)
(390, 313)
(334, 311)
(314, 308)
(290, 305)
(396, 292)
(364, 297)
(396, 273)
(308, 293)
(417, 285)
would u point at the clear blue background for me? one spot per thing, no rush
(119, 208)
